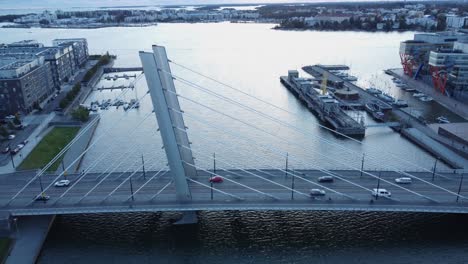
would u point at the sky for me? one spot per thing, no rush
(56, 4)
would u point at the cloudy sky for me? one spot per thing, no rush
(26, 4)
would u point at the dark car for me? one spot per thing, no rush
(58, 109)
(15, 151)
(326, 179)
(6, 150)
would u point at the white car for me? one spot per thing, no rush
(317, 192)
(10, 137)
(381, 192)
(62, 183)
(403, 180)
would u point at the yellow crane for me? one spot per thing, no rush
(324, 83)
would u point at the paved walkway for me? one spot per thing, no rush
(34, 139)
(30, 233)
(453, 105)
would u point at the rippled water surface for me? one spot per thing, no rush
(259, 237)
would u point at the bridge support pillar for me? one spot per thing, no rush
(176, 144)
(188, 217)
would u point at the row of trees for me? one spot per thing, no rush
(71, 95)
(367, 24)
(103, 60)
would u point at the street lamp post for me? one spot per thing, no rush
(362, 164)
(434, 169)
(378, 187)
(292, 187)
(131, 189)
(11, 157)
(460, 186)
(214, 165)
(143, 162)
(286, 169)
(15, 220)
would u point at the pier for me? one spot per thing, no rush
(126, 69)
(325, 110)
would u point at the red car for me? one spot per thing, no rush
(216, 179)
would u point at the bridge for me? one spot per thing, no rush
(183, 185)
(270, 190)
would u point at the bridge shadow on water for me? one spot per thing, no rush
(259, 237)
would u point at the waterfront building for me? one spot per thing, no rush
(31, 72)
(23, 83)
(60, 59)
(79, 47)
(453, 63)
(414, 53)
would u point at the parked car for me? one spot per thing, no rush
(326, 179)
(317, 192)
(42, 197)
(14, 151)
(58, 109)
(403, 180)
(62, 183)
(20, 146)
(216, 179)
(381, 192)
(25, 142)
(6, 150)
(12, 136)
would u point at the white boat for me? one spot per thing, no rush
(351, 78)
(386, 98)
(426, 98)
(442, 120)
(400, 103)
(417, 95)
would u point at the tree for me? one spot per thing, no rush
(81, 114)
(44, 22)
(3, 131)
(17, 120)
(441, 23)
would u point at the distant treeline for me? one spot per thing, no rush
(10, 18)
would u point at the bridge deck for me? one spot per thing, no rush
(354, 198)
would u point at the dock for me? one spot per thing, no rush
(126, 69)
(334, 117)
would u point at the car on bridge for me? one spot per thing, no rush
(403, 180)
(62, 183)
(326, 179)
(317, 192)
(381, 193)
(42, 197)
(216, 179)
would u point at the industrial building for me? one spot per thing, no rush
(31, 72)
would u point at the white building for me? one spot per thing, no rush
(456, 21)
